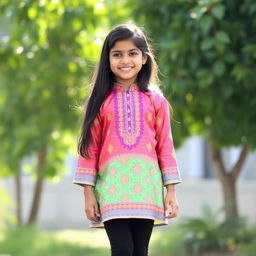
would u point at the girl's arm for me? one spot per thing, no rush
(91, 205)
(165, 148)
(87, 168)
(170, 201)
(166, 156)
(86, 171)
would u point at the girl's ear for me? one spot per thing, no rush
(144, 58)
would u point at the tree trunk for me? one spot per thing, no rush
(228, 179)
(18, 196)
(230, 198)
(38, 186)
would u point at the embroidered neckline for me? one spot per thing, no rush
(122, 87)
(129, 115)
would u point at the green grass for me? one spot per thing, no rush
(31, 241)
(34, 242)
(247, 249)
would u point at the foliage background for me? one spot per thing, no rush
(206, 50)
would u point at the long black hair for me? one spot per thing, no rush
(103, 79)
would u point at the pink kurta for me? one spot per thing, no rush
(131, 155)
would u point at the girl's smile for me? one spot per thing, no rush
(125, 69)
(126, 61)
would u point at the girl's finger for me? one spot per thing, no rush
(171, 215)
(90, 214)
(96, 211)
(93, 218)
(168, 209)
(174, 211)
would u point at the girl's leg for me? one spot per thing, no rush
(120, 237)
(141, 232)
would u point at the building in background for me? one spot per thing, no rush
(62, 204)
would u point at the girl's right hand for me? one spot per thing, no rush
(91, 205)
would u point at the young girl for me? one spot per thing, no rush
(126, 153)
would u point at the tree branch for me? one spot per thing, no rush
(238, 165)
(218, 163)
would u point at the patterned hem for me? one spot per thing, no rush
(157, 222)
(131, 210)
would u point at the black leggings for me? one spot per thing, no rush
(129, 237)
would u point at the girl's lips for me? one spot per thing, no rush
(125, 69)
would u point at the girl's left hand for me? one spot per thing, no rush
(171, 202)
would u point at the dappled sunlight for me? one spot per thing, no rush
(31, 241)
(91, 238)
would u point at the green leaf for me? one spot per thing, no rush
(250, 49)
(206, 22)
(218, 11)
(196, 12)
(222, 37)
(241, 72)
(230, 57)
(219, 68)
(77, 24)
(207, 43)
(220, 47)
(205, 2)
(32, 12)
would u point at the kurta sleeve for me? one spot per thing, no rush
(165, 148)
(87, 168)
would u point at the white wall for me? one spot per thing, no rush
(62, 204)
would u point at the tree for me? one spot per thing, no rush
(207, 53)
(46, 51)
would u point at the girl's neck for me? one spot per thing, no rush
(125, 86)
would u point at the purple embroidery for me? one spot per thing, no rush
(129, 113)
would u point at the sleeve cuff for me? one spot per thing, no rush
(171, 176)
(85, 176)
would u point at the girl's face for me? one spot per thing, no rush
(126, 60)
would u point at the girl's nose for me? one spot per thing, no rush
(125, 59)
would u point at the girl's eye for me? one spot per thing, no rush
(133, 53)
(116, 55)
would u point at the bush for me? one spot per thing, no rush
(207, 234)
(248, 249)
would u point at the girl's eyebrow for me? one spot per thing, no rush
(130, 50)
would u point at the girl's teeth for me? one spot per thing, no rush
(125, 69)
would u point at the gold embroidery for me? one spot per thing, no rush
(109, 117)
(110, 148)
(149, 146)
(150, 117)
(158, 121)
